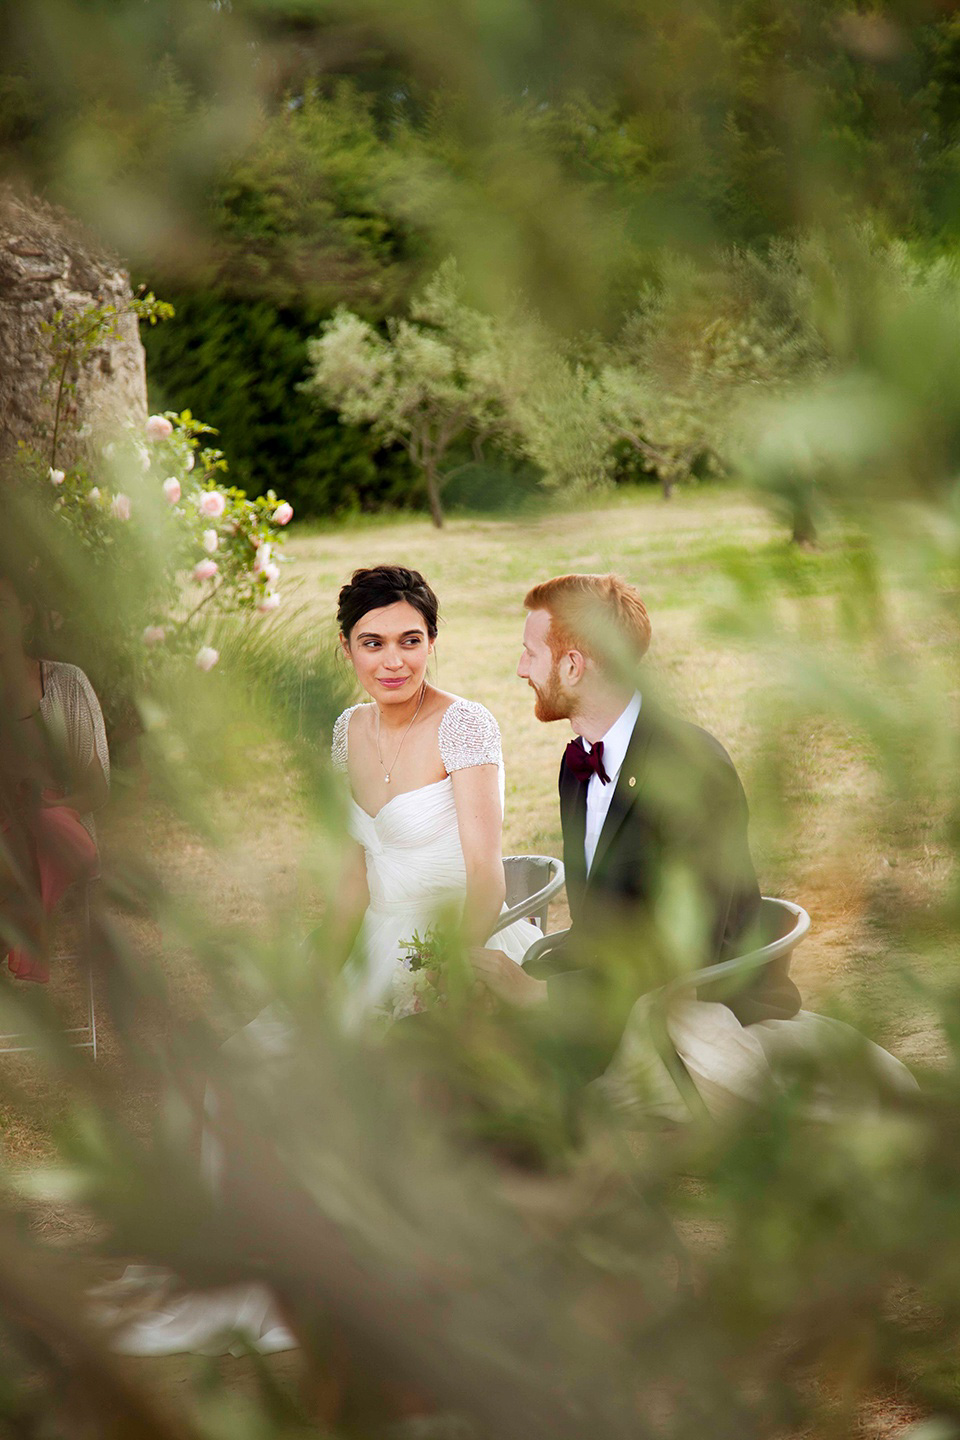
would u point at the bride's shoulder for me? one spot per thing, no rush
(341, 731)
(468, 735)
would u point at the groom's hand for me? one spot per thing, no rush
(506, 979)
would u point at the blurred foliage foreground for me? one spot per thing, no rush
(458, 1235)
(452, 1227)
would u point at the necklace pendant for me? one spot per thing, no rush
(386, 779)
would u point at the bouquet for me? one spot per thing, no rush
(418, 983)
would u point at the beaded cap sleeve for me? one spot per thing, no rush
(468, 735)
(338, 747)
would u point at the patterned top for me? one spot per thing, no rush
(468, 735)
(71, 712)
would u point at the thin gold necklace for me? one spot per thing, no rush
(386, 772)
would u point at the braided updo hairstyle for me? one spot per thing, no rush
(380, 585)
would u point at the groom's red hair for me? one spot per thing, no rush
(582, 606)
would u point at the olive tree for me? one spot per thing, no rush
(434, 383)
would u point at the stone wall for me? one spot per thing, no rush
(48, 263)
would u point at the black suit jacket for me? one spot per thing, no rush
(672, 885)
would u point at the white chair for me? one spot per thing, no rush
(532, 882)
(726, 977)
(85, 1034)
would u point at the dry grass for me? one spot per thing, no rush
(819, 832)
(821, 840)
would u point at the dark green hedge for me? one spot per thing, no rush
(237, 364)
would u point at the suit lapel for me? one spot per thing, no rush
(629, 786)
(573, 823)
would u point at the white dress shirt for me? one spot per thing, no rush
(615, 744)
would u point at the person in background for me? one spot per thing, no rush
(54, 773)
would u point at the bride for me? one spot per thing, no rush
(426, 784)
(426, 781)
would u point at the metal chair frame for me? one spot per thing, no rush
(89, 1030)
(739, 965)
(731, 970)
(520, 872)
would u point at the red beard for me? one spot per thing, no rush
(552, 703)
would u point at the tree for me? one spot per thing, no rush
(703, 341)
(433, 384)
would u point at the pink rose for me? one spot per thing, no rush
(269, 602)
(270, 572)
(171, 489)
(57, 477)
(283, 514)
(212, 504)
(158, 427)
(121, 507)
(154, 635)
(207, 657)
(210, 541)
(205, 570)
(93, 496)
(263, 555)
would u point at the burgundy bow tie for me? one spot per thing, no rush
(583, 765)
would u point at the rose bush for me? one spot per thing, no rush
(166, 544)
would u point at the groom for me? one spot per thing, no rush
(654, 819)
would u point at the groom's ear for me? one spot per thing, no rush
(574, 664)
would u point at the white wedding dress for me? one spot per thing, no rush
(415, 866)
(415, 874)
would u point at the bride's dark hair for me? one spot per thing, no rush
(381, 585)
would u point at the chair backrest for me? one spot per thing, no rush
(531, 881)
(790, 919)
(783, 916)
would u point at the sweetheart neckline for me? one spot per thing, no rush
(418, 790)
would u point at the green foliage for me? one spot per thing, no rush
(161, 540)
(433, 384)
(72, 339)
(136, 519)
(317, 209)
(240, 363)
(343, 193)
(451, 1214)
(704, 340)
(313, 211)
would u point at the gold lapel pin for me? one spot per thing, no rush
(632, 781)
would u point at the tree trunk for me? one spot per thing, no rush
(433, 496)
(666, 484)
(804, 530)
